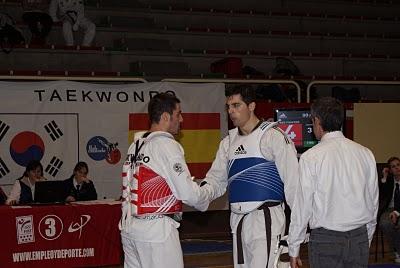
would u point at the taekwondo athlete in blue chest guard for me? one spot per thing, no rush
(248, 169)
(257, 164)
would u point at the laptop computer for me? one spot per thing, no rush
(50, 192)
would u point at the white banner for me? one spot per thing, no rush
(63, 122)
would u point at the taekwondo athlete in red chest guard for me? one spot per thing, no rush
(156, 182)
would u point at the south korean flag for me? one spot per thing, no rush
(51, 138)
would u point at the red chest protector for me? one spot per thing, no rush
(143, 190)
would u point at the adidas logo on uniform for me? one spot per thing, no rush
(240, 150)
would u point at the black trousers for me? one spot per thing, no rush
(333, 249)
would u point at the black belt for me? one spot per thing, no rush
(155, 216)
(174, 216)
(267, 217)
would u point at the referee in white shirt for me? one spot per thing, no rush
(337, 195)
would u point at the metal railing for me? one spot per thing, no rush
(241, 81)
(73, 78)
(348, 82)
(203, 80)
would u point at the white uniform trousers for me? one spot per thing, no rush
(139, 254)
(89, 32)
(254, 237)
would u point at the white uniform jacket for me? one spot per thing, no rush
(166, 158)
(61, 8)
(274, 147)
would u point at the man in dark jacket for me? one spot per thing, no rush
(390, 204)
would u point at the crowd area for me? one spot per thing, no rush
(39, 16)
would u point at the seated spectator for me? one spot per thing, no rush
(79, 186)
(38, 21)
(71, 13)
(23, 190)
(10, 34)
(390, 200)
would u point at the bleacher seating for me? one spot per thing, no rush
(182, 38)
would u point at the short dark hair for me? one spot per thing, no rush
(246, 91)
(330, 113)
(393, 158)
(33, 165)
(81, 165)
(161, 103)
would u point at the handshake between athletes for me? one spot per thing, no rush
(157, 181)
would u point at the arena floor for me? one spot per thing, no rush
(218, 254)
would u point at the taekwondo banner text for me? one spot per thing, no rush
(63, 122)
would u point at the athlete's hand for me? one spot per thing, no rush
(295, 262)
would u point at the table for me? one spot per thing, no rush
(71, 235)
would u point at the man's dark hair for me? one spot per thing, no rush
(246, 91)
(160, 103)
(330, 113)
(393, 158)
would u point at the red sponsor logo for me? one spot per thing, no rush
(294, 132)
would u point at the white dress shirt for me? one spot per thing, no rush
(338, 189)
(391, 204)
(75, 183)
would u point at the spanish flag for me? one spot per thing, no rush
(200, 137)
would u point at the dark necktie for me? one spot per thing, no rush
(78, 186)
(396, 199)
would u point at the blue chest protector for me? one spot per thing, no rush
(252, 178)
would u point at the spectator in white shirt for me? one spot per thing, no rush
(72, 15)
(337, 195)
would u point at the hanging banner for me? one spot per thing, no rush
(63, 122)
